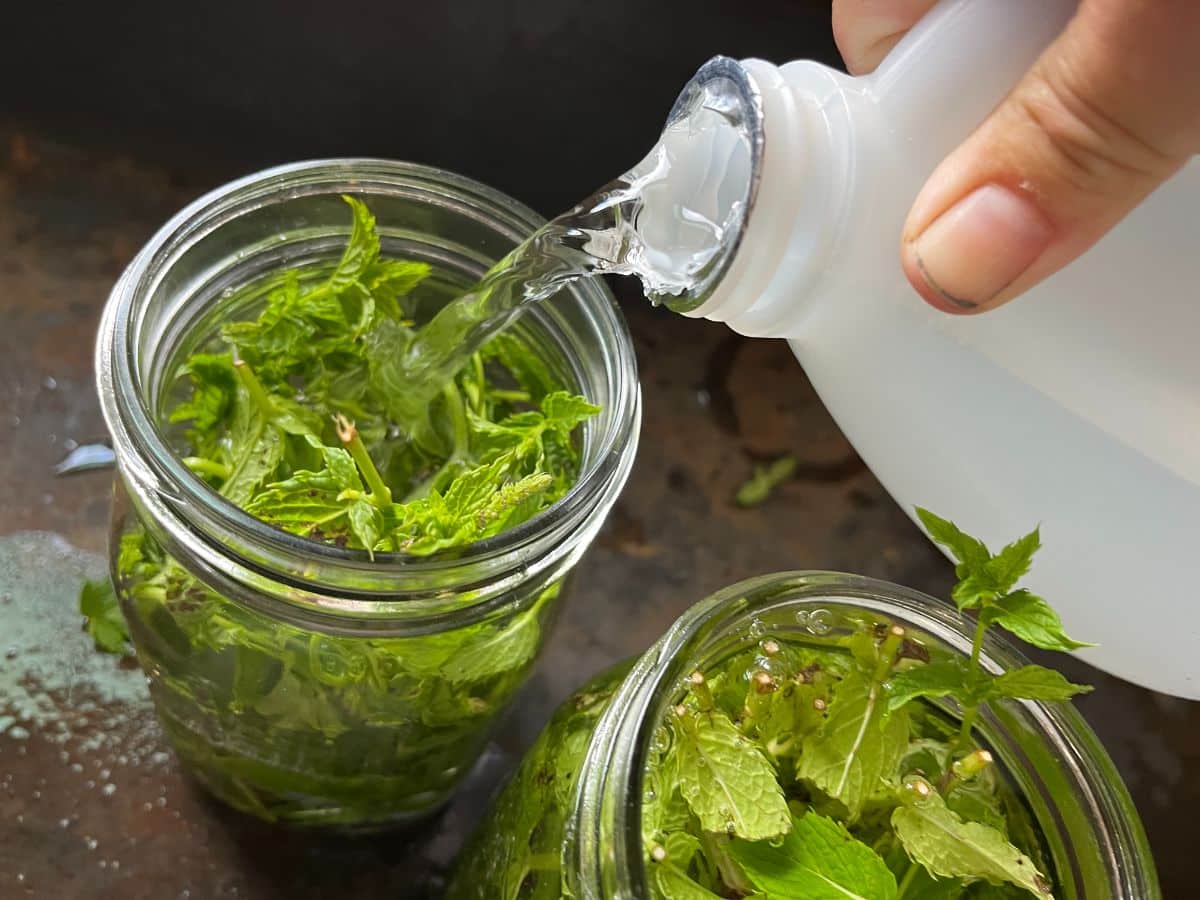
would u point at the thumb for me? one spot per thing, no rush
(1109, 112)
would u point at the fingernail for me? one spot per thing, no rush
(978, 247)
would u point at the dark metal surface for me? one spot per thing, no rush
(92, 804)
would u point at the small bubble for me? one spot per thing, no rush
(11, 653)
(91, 842)
(757, 629)
(50, 383)
(90, 784)
(104, 863)
(104, 773)
(731, 828)
(660, 741)
(17, 733)
(115, 864)
(108, 790)
(37, 795)
(147, 806)
(64, 823)
(70, 444)
(820, 621)
(20, 878)
(802, 618)
(161, 802)
(650, 796)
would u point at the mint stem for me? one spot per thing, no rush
(910, 875)
(206, 466)
(971, 711)
(381, 494)
(254, 388)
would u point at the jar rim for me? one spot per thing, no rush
(351, 582)
(604, 850)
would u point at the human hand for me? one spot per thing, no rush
(1108, 112)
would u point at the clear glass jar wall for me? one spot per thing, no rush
(301, 681)
(569, 821)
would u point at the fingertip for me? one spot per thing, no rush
(918, 276)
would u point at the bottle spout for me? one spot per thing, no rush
(700, 181)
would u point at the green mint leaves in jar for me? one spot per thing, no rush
(788, 770)
(289, 415)
(296, 424)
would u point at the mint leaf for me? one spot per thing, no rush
(726, 780)
(817, 860)
(941, 678)
(390, 279)
(1030, 618)
(214, 387)
(1012, 563)
(970, 552)
(361, 251)
(948, 847)
(1034, 683)
(765, 479)
(105, 623)
(669, 869)
(563, 410)
(850, 754)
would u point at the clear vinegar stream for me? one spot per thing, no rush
(672, 221)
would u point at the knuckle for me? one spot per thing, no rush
(1091, 147)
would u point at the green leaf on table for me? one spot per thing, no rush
(726, 779)
(857, 746)
(940, 678)
(948, 847)
(760, 485)
(105, 623)
(1032, 619)
(1034, 683)
(817, 860)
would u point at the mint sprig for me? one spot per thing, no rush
(815, 767)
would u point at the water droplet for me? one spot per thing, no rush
(70, 444)
(757, 629)
(660, 740)
(76, 768)
(820, 621)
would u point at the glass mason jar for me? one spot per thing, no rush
(569, 821)
(301, 681)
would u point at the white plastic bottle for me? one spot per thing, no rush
(1076, 406)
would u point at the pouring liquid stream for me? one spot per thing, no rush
(672, 221)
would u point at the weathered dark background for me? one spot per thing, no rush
(112, 116)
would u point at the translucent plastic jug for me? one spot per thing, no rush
(1077, 406)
